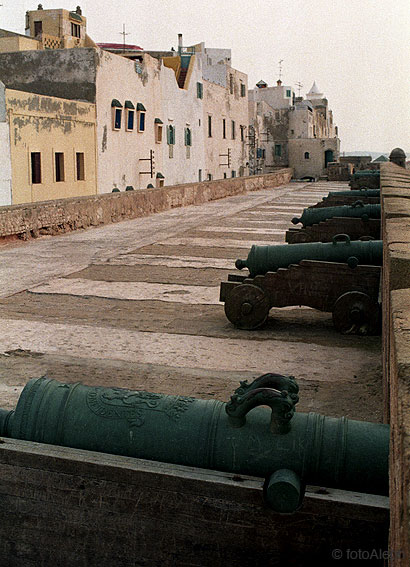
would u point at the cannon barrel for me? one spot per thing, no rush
(314, 216)
(263, 259)
(238, 437)
(355, 193)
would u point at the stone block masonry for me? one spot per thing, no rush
(63, 215)
(395, 200)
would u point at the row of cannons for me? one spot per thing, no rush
(332, 263)
(288, 450)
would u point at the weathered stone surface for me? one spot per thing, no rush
(400, 424)
(64, 215)
(395, 190)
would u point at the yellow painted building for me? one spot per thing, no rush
(52, 147)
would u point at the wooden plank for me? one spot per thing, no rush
(62, 506)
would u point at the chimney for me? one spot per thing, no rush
(180, 42)
(279, 82)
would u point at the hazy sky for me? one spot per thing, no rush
(357, 51)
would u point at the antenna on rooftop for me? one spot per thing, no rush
(299, 86)
(280, 69)
(123, 33)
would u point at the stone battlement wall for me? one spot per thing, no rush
(63, 215)
(395, 191)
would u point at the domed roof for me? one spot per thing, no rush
(397, 152)
(398, 157)
(314, 92)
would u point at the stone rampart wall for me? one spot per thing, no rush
(395, 191)
(63, 215)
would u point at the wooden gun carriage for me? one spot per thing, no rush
(348, 290)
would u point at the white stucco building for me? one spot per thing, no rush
(291, 131)
(161, 117)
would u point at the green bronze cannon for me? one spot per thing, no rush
(365, 178)
(313, 215)
(341, 277)
(263, 259)
(288, 449)
(355, 193)
(340, 198)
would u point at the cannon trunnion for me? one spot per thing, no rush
(342, 278)
(286, 448)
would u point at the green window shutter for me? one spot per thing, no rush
(190, 137)
(168, 134)
(199, 90)
(186, 136)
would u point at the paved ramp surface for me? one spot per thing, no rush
(136, 304)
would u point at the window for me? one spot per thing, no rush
(199, 175)
(117, 118)
(38, 28)
(231, 84)
(141, 122)
(278, 150)
(35, 167)
(242, 133)
(188, 137)
(199, 90)
(261, 153)
(243, 89)
(116, 114)
(233, 173)
(209, 126)
(288, 93)
(188, 142)
(307, 155)
(79, 166)
(225, 176)
(209, 176)
(171, 135)
(130, 120)
(130, 110)
(140, 117)
(158, 130)
(171, 139)
(223, 128)
(75, 30)
(233, 129)
(59, 165)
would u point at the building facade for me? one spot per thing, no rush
(291, 131)
(166, 118)
(48, 147)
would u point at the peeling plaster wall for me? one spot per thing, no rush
(64, 73)
(120, 151)
(48, 125)
(5, 159)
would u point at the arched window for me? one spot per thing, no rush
(307, 156)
